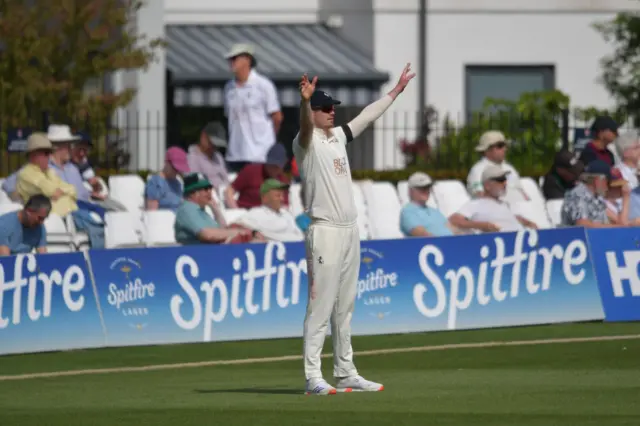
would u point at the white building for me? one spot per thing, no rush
(474, 49)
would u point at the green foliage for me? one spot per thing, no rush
(621, 70)
(532, 123)
(54, 49)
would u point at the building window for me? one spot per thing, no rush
(504, 82)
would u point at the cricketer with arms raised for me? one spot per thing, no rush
(332, 241)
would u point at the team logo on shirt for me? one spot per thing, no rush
(340, 166)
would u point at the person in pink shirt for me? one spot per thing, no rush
(204, 157)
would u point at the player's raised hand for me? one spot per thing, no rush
(405, 77)
(307, 87)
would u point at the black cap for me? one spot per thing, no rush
(604, 122)
(599, 167)
(321, 99)
(567, 160)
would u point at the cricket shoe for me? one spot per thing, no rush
(319, 387)
(357, 384)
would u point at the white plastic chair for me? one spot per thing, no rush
(9, 207)
(232, 215)
(121, 230)
(449, 196)
(554, 210)
(361, 207)
(59, 239)
(383, 207)
(128, 190)
(158, 228)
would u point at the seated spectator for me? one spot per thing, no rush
(38, 177)
(585, 204)
(164, 191)
(23, 231)
(79, 158)
(488, 212)
(604, 131)
(193, 224)
(9, 187)
(248, 182)
(205, 158)
(493, 146)
(303, 220)
(416, 218)
(628, 148)
(564, 174)
(270, 219)
(617, 199)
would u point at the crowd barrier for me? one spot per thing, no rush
(255, 291)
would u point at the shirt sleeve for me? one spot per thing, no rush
(468, 210)
(152, 190)
(43, 237)
(34, 182)
(271, 97)
(88, 173)
(191, 220)
(10, 183)
(5, 230)
(409, 220)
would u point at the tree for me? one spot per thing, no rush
(621, 70)
(51, 50)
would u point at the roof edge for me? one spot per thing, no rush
(377, 78)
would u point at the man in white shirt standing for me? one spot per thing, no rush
(251, 105)
(493, 146)
(332, 241)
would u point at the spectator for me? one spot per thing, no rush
(628, 148)
(303, 220)
(9, 187)
(204, 157)
(564, 174)
(164, 190)
(488, 212)
(193, 224)
(270, 219)
(23, 231)
(585, 205)
(417, 219)
(604, 131)
(251, 177)
(493, 146)
(617, 199)
(38, 177)
(252, 108)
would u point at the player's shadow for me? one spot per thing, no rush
(253, 390)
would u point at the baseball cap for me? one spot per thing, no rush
(493, 171)
(419, 180)
(490, 138)
(178, 159)
(216, 134)
(277, 155)
(240, 49)
(564, 159)
(194, 182)
(270, 184)
(321, 99)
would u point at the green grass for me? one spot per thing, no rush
(589, 383)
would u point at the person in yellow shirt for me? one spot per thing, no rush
(37, 178)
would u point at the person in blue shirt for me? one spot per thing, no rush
(193, 224)
(164, 191)
(23, 231)
(416, 218)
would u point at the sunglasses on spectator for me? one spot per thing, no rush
(326, 110)
(500, 179)
(499, 145)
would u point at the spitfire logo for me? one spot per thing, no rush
(375, 284)
(128, 293)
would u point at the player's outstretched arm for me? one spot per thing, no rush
(306, 124)
(373, 111)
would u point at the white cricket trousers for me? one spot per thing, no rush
(333, 266)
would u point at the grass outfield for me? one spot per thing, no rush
(571, 383)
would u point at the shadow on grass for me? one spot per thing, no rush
(253, 390)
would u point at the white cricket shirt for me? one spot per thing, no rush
(326, 176)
